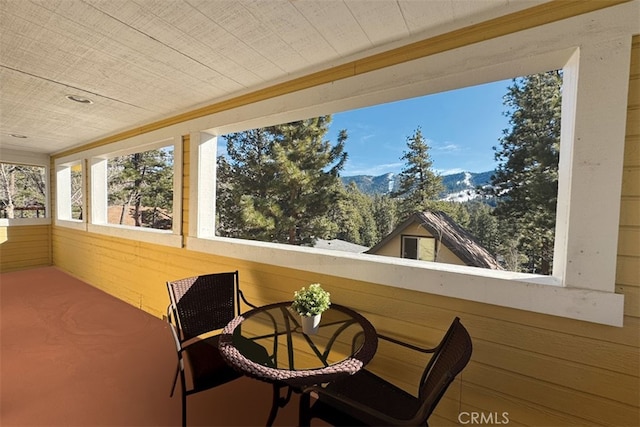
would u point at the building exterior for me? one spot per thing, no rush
(435, 236)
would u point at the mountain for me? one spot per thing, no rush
(459, 187)
(381, 184)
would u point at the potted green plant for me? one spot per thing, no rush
(309, 303)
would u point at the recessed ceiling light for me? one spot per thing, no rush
(80, 99)
(17, 135)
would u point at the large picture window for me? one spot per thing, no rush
(136, 189)
(582, 280)
(490, 187)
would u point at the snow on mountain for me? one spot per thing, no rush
(459, 187)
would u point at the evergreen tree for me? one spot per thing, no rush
(385, 214)
(354, 217)
(143, 180)
(483, 225)
(526, 180)
(418, 183)
(279, 182)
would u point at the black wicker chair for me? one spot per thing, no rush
(367, 399)
(200, 305)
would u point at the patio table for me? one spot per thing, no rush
(267, 343)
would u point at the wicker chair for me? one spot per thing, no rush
(367, 399)
(200, 305)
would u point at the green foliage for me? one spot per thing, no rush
(311, 301)
(280, 182)
(22, 191)
(418, 182)
(385, 214)
(483, 225)
(143, 184)
(526, 180)
(353, 217)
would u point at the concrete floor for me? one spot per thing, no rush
(72, 355)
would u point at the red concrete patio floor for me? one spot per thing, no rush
(72, 355)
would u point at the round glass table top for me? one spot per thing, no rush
(268, 343)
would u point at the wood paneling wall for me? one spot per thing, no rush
(24, 247)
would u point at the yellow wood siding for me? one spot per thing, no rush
(539, 369)
(24, 247)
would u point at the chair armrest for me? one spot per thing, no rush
(244, 299)
(173, 326)
(407, 345)
(380, 417)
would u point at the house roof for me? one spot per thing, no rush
(458, 240)
(340, 245)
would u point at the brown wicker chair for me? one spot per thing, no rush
(200, 305)
(367, 399)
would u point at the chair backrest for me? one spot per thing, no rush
(449, 359)
(204, 303)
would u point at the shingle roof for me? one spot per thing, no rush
(340, 245)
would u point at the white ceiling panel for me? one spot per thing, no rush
(140, 61)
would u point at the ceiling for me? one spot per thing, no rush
(145, 60)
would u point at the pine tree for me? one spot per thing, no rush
(280, 182)
(354, 217)
(143, 180)
(483, 225)
(385, 214)
(418, 183)
(526, 180)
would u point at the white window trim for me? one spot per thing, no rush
(29, 159)
(63, 194)
(96, 221)
(583, 283)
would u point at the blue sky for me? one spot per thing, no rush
(461, 128)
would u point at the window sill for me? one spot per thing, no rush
(158, 237)
(529, 292)
(4, 222)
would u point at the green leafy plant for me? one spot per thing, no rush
(311, 301)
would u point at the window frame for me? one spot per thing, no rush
(582, 286)
(29, 159)
(63, 194)
(95, 220)
(418, 240)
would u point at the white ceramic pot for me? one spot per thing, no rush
(310, 324)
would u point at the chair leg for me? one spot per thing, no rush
(304, 410)
(184, 409)
(175, 380)
(275, 404)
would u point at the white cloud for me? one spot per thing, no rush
(374, 170)
(445, 172)
(448, 147)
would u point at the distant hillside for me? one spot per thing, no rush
(459, 187)
(368, 184)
